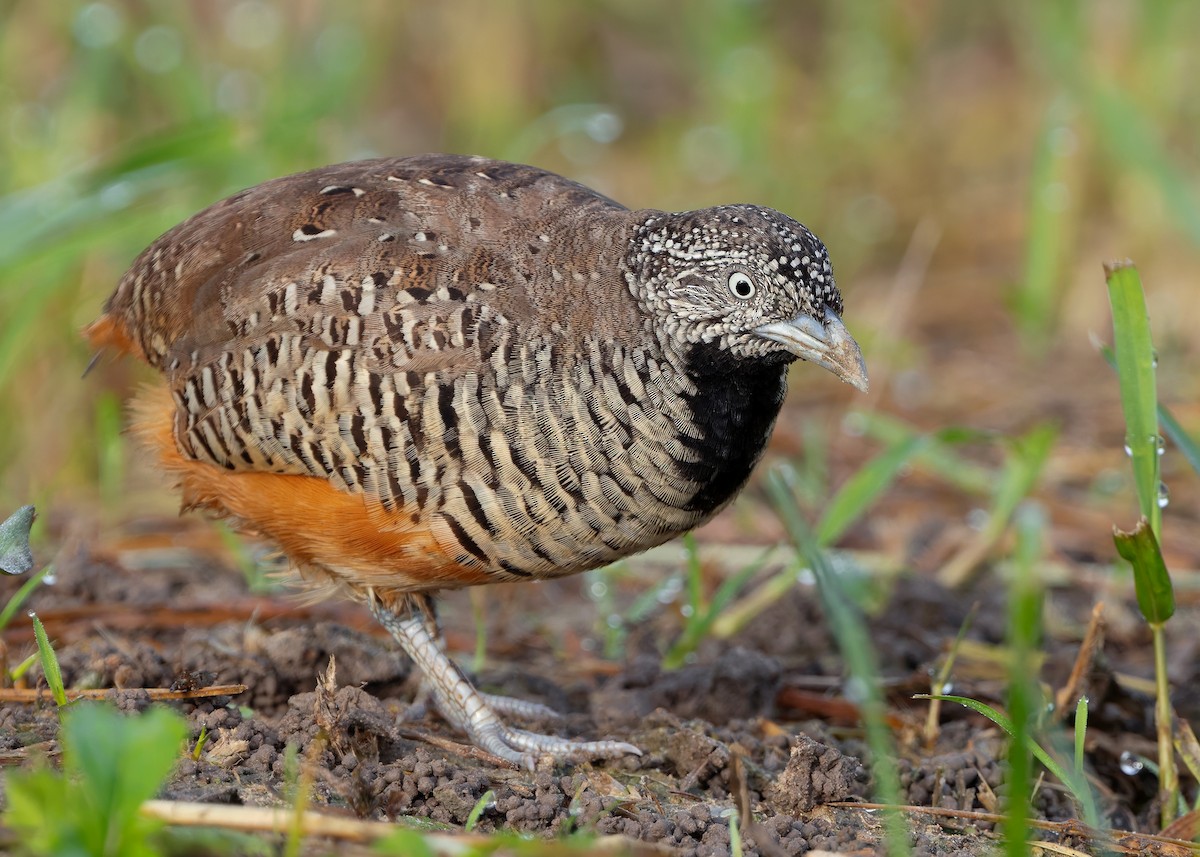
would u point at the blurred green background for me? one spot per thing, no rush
(969, 164)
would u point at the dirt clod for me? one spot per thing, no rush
(815, 774)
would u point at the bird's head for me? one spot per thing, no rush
(751, 280)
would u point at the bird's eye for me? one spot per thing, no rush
(741, 285)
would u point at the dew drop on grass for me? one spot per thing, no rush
(1131, 765)
(855, 689)
(687, 610)
(613, 621)
(669, 591)
(1129, 450)
(1164, 495)
(946, 689)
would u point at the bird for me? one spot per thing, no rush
(424, 373)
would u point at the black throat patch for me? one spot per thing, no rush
(734, 407)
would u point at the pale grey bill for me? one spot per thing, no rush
(829, 345)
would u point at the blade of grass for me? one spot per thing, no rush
(1024, 632)
(477, 811)
(1078, 788)
(1134, 351)
(49, 663)
(19, 597)
(1049, 224)
(937, 457)
(1186, 444)
(1026, 456)
(699, 626)
(1151, 580)
(850, 631)
(1081, 715)
(862, 489)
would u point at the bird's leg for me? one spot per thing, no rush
(505, 706)
(415, 629)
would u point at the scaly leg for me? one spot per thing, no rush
(463, 706)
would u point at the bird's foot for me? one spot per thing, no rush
(519, 709)
(524, 748)
(477, 714)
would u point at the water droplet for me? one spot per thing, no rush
(98, 25)
(50, 578)
(669, 591)
(687, 611)
(613, 621)
(1164, 495)
(855, 689)
(977, 519)
(31, 614)
(159, 49)
(946, 689)
(854, 424)
(1160, 444)
(1131, 765)
(806, 577)
(1129, 450)
(598, 589)
(603, 126)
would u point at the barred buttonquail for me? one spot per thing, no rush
(434, 372)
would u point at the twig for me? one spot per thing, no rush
(1128, 841)
(265, 819)
(157, 694)
(1093, 639)
(457, 748)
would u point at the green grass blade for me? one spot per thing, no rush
(937, 457)
(850, 631)
(480, 807)
(1036, 298)
(1077, 787)
(1151, 580)
(1135, 372)
(19, 597)
(1170, 425)
(1081, 717)
(1184, 441)
(864, 487)
(698, 627)
(49, 663)
(1024, 632)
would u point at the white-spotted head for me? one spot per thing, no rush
(749, 279)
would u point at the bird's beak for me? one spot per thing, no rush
(829, 345)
